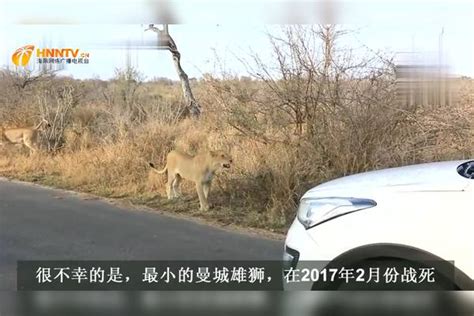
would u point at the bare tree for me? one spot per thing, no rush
(21, 78)
(318, 92)
(165, 40)
(56, 106)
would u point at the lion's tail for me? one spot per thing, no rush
(156, 170)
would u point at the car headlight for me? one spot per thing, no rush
(315, 211)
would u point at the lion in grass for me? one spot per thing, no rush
(200, 169)
(27, 136)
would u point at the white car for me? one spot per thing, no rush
(413, 214)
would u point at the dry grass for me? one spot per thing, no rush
(263, 187)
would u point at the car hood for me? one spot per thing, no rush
(437, 176)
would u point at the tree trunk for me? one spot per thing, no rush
(192, 106)
(165, 40)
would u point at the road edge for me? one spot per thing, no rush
(130, 206)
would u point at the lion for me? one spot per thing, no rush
(27, 136)
(200, 169)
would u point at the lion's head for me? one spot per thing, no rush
(221, 159)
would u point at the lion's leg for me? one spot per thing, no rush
(202, 198)
(206, 188)
(169, 185)
(28, 143)
(175, 186)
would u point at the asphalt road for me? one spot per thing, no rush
(39, 223)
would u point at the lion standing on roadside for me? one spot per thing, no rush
(200, 169)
